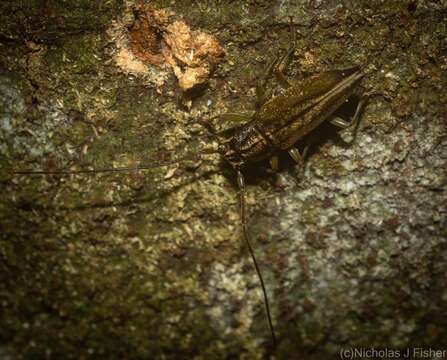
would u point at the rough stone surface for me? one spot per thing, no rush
(150, 264)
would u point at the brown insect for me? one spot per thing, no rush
(276, 125)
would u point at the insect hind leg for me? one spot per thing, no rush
(260, 88)
(276, 67)
(354, 123)
(286, 59)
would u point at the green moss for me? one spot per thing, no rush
(49, 21)
(141, 266)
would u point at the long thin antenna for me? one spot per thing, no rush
(117, 169)
(241, 183)
(208, 127)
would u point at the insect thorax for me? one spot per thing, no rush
(248, 144)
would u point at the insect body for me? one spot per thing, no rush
(287, 118)
(282, 121)
(277, 124)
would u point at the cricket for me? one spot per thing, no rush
(278, 124)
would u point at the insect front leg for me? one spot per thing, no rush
(274, 163)
(233, 118)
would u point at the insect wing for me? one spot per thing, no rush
(290, 116)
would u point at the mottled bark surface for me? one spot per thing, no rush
(145, 265)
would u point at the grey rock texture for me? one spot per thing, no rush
(151, 264)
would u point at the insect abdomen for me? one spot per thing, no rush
(323, 94)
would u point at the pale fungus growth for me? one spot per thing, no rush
(146, 37)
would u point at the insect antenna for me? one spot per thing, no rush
(206, 151)
(197, 156)
(241, 184)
